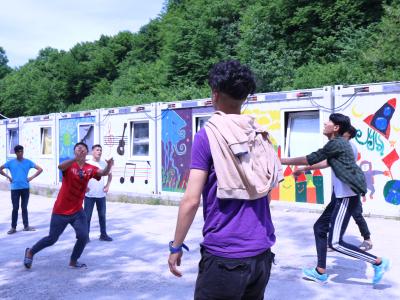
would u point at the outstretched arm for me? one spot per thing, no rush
(66, 164)
(302, 160)
(321, 165)
(187, 211)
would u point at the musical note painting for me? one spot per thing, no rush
(135, 171)
(112, 140)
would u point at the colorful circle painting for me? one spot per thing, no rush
(391, 192)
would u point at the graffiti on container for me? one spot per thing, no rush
(176, 149)
(369, 173)
(372, 140)
(391, 192)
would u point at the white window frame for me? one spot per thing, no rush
(10, 144)
(195, 124)
(139, 140)
(42, 132)
(79, 125)
(293, 115)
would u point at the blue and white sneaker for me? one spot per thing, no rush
(313, 275)
(380, 270)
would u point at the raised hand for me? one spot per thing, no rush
(110, 162)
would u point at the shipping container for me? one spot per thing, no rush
(128, 134)
(374, 113)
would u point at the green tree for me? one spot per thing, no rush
(288, 43)
(382, 56)
(4, 68)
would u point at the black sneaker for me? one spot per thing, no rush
(12, 230)
(105, 238)
(29, 228)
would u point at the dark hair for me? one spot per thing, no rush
(18, 148)
(352, 131)
(81, 144)
(232, 78)
(97, 146)
(342, 121)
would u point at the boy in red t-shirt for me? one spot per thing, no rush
(68, 206)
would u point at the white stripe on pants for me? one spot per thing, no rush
(340, 219)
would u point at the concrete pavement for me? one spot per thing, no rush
(134, 265)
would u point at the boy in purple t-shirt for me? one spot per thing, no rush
(238, 234)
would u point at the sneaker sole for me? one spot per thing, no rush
(310, 278)
(365, 249)
(78, 268)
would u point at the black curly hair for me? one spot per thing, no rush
(232, 78)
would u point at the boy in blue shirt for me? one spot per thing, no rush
(19, 169)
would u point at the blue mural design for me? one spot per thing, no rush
(373, 141)
(176, 147)
(380, 121)
(391, 191)
(68, 135)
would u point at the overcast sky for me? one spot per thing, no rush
(26, 26)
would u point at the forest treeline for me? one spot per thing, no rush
(289, 44)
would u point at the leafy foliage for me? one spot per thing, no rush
(4, 68)
(290, 44)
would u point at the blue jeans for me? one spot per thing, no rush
(15, 195)
(58, 224)
(101, 210)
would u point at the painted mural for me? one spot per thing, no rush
(128, 138)
(306, 188)
(176, 141)
(134, 171)
(377, 139)
(373, 111)
(114, 144)
(68, 135)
